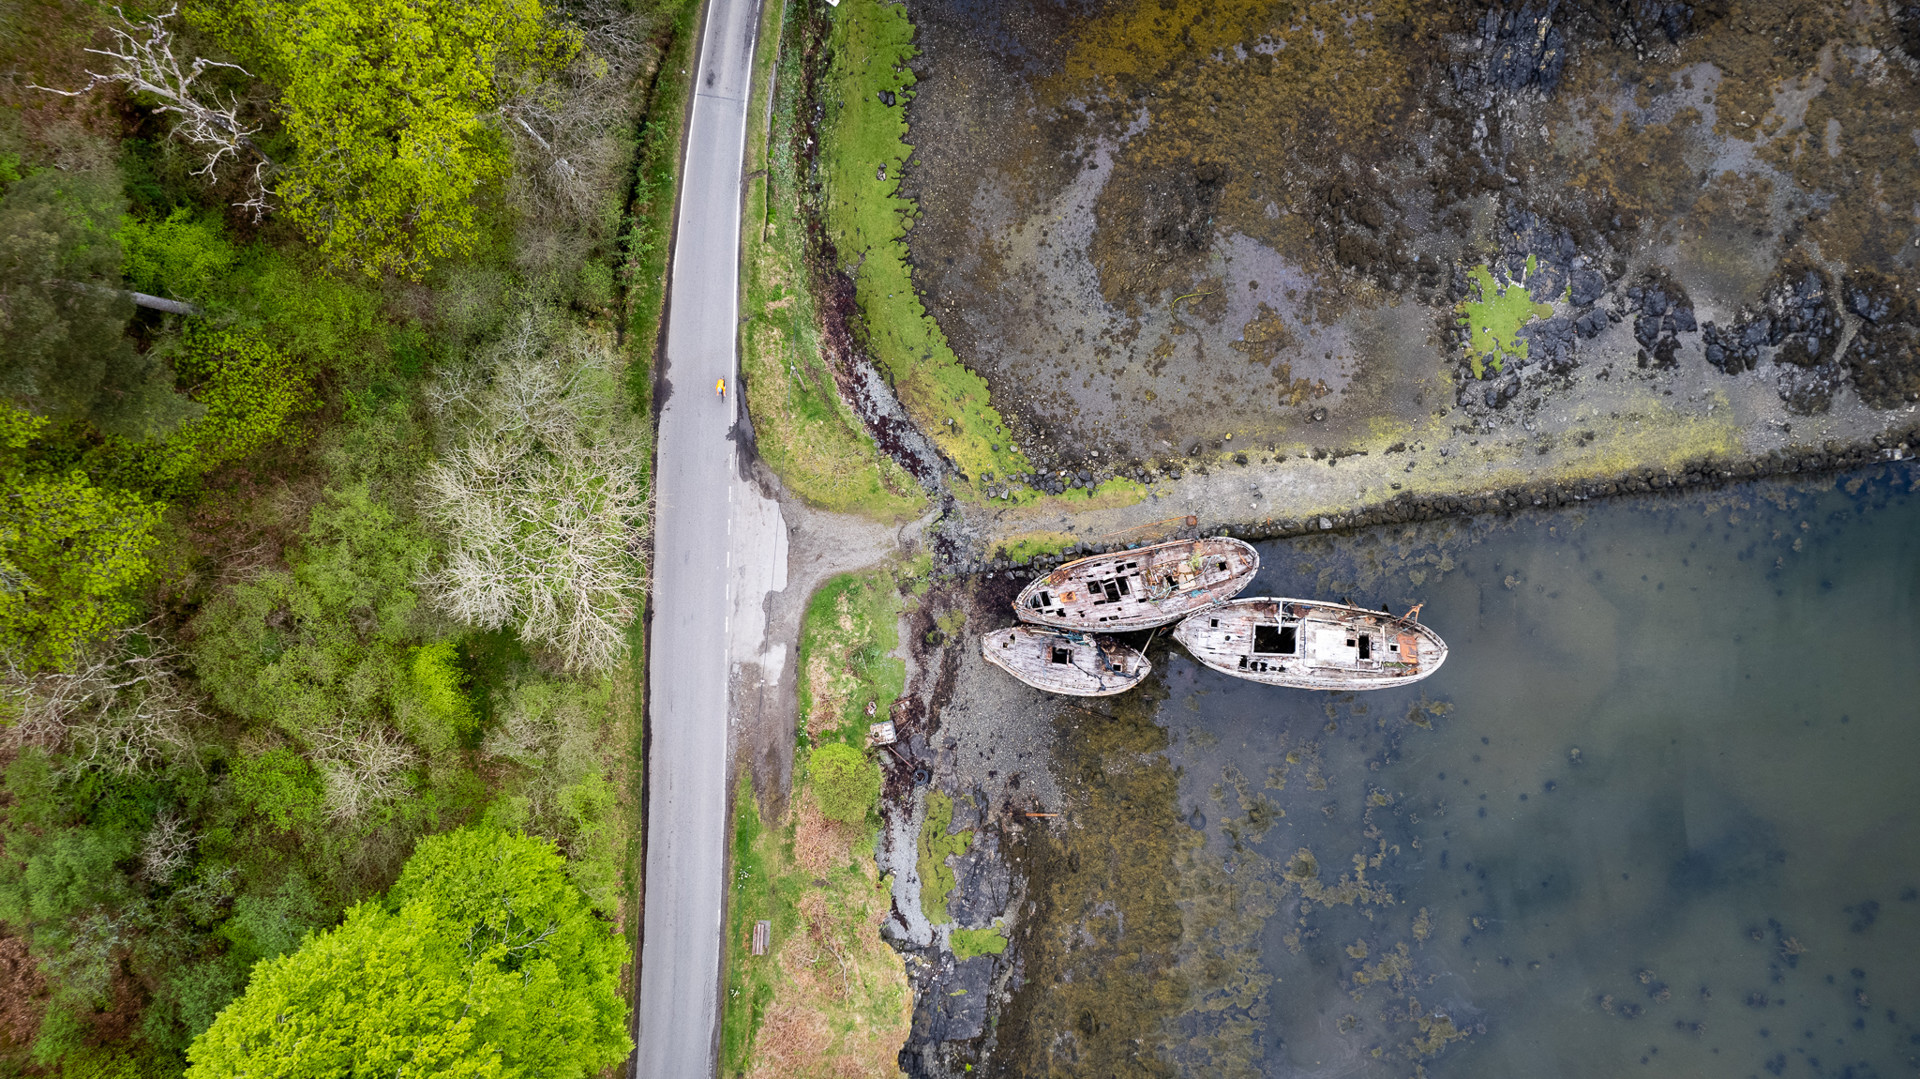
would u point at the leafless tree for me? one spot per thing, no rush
(567, 130)
(119, 709)
(360, 768)
(167, 847)
(538, 494)
(144, 60)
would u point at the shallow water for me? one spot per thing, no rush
(1657, 814)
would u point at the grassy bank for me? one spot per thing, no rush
(802, 427)
(648, 238)
(829, 998)
(863, 153)
(846, 661)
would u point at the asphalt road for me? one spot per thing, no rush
(702, 565)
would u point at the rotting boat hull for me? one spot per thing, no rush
(1063, 661)
(1308, 644)
(1139, 588)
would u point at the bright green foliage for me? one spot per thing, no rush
(182, 256)
(845, 782)
(280, 786)
(326, 641)
(435, 712)
(862, 159)
(248, 391)
(71, 555)
(316, 316)
(390, 104)
(1494, 318)
(484, 961)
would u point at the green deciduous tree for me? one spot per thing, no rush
(70, 553)
(845, 782)
(324, 642)
(394, 106)
(483, 961)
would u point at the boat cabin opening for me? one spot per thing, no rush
(1062, 654)
(1275, 640)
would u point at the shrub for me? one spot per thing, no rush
(71, 555)
(845, 782)
(180, 255)
(280, 786)
(435, 712)
(324, 643)
(248, 392)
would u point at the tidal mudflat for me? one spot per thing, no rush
(1656, 815)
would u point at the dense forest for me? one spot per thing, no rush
(325, 330)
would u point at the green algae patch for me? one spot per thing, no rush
(967, 943)
(1493, 320)
(936, 846)
(863, 153)
(1034, 544)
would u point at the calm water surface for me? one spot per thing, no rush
(1657, 815)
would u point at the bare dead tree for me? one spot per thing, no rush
(143, 60)
(360, 768)
(119, 709)
(539, 495)
(166, 848)
(567, 130)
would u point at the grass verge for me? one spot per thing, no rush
(649, 231)
(829, 998)
(803, 429)
(846, 643)
(864, 150)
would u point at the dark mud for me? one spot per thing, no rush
(1152, 225)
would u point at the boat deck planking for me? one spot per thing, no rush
(1307, 644)
(1139, 588)
(1063, 661)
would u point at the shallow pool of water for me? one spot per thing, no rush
(1657, 814)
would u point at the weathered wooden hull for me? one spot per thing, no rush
(1307, 644)
(1140, 588)
(1062, 661)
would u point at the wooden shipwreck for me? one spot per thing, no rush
(1140, 588)
(1064, 661)
(1308, 644)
